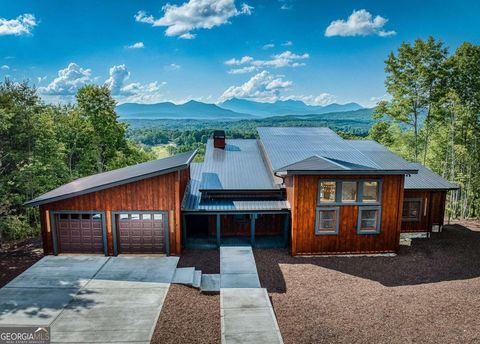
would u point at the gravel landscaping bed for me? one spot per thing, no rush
(17, 258)
(187, 315)
(428, 293)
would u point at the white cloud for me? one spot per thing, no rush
(287, 43)
(180, 20)
(235, 62)
(359, 23)
(68, 81)
(172, 66)
(261, 87)
(5, 67)
(22, 25)
(285, 59)
(137, 45)
(132, 92)
(268, 46)
(321, 99)
(243, 70)
(286, 5)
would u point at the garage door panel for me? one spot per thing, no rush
(140, 233)
(79, 233)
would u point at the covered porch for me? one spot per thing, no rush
(261, 229)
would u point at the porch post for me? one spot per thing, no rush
(184, 230)
(218, 230)
(286, 229)
(252, 229)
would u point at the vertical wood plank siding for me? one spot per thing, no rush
(302, 195)
(161, 193)
(434, 213)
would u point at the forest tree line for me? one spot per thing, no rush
(44, 146)
(433, 115)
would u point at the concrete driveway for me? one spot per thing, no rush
(90, 299)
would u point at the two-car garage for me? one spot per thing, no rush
(133, 232)
(132, 210)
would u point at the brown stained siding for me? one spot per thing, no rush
(432, 215)
(303, 200)
(161, 193)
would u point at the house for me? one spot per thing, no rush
(303, 188)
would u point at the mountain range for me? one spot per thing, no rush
(232, 109)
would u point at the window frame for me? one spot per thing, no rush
(339, 189)
(378, 224)
(420, 210)
(317, 220)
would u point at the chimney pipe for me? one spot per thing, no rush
(219, 139)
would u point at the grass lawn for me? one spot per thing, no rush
(161, 151)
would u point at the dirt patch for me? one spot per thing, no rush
(428, 293)
(189, 316)
(18, 257)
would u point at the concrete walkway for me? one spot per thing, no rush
(90, 299)
(247, 315)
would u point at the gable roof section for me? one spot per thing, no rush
(116, 177)
(318, 150)
(240, 166)
(427, 180)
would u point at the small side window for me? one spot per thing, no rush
(327, 221)
(369, 220)
(327, 191)
(412, 210)
(370, 192)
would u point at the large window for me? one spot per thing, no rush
(412, 209)
(328, 190)
(327, 221)
(370, 192)
(349, 192)
(368, 220)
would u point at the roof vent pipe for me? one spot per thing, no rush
(219, 139)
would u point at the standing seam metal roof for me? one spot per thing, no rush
(116, 177)
(240, 166)
(192, 200)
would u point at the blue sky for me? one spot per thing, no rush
(148, 51)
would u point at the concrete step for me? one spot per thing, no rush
(210, 283)
(197, 279)
(184, 276)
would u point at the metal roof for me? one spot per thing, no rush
(116, 177)
(240, 166)
(192, 200)
(314, 150)
(427, 180)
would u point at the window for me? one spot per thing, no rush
(157, 216)
(96, 216)
(370, 192)
(64, 216)
(85, 216)
(146, 216)
(74, 216)
(327, 191)
(135, 216)
(349, 191)
(368, 220)
(412, 209)
(327, 221)
(123, 216)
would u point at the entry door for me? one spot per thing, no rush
(141, 232)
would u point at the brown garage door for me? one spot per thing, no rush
(79, 233)
(141, 233)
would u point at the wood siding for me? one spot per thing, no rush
(302, 195)
(433, 210)
(161, 193)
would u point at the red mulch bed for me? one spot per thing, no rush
(187, 315)
(428, 293)
(18, 257)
